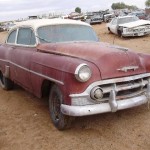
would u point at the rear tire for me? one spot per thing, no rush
(60, 120)
(5, 83)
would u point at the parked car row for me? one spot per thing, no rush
(106, 16)
(6, 27)
(98, 17)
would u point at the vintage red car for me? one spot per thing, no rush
(63, 60)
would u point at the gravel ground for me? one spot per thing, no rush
(25, 123)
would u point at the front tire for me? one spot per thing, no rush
(5, 83)
(60, 120)
(109, 30)
(120, 33)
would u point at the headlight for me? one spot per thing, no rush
(83, 73)
(148, 26)
(130, 30)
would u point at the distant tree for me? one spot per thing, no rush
(132, 7)
(78, 9)
(147, 3)
(122, 5)
(118, 5)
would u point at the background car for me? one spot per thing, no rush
(140, 15)
(129, 26)
(108, 17)
(93, 18)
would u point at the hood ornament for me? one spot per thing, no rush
(128, 68)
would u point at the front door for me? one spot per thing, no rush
(21, 57)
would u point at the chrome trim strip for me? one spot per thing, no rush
(17, 31)
(103, 107)
(33, 72)
(126, 68)
(51, 79)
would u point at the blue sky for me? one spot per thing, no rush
(10, 10)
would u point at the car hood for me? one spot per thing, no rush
(135, 23)
(112, 61)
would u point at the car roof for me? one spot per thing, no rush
(129, 16)
(36, 23)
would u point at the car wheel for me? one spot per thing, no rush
(109, 30)
(5, 83)
(60, 120)
(120, 33)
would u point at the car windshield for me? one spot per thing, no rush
(127, 20)
(65, 33)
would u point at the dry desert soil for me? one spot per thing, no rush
(25, 123)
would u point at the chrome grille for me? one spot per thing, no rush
(118, 88)
(126, 89)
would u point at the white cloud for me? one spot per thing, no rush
(10, 9)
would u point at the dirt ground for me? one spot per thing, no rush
(25, 123)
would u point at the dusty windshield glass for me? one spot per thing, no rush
(127, 20)
(65, 33)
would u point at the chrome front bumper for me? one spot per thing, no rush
(83, 105)
(103, 107)
(135, 34)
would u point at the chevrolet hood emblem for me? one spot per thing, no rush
(126, 69)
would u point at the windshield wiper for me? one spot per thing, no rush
(44, 39)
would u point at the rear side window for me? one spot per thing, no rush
(26, 37)
(12, 37)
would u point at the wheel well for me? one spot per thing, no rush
(46, 86)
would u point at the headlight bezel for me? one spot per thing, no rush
(130, 29)
(79, 75)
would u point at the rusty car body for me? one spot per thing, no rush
(64, 60)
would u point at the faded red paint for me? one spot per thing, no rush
(59, 61)
(107, 58)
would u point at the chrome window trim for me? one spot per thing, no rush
(34, 72)
(6, 41)
(22, 45)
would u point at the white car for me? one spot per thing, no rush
(129, 26)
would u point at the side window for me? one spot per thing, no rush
(26, 37)
(12, 37)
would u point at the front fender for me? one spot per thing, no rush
(145, 60)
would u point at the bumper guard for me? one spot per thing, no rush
(112, 106)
